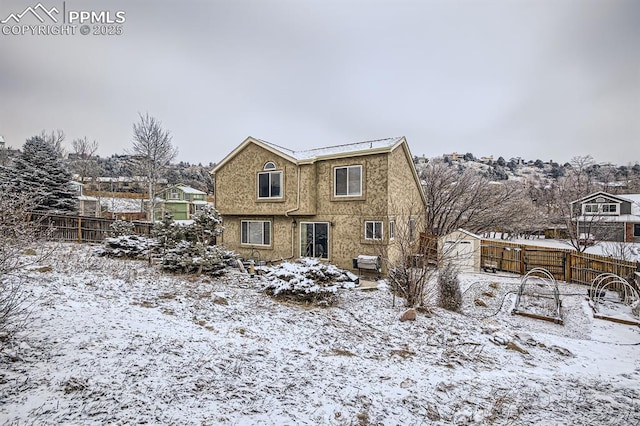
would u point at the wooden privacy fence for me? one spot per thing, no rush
(565, 264)
(82, 228)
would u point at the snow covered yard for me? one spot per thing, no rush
(114, 341)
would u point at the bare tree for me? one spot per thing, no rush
(154, 151)
(581, 178)
(83, 162)
(20, 247)
(408, 274)
(465, 200)
(55, 138)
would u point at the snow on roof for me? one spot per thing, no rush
(469, 233)
(336, 149)
(612, 218)
(189, 190)
(635, 202)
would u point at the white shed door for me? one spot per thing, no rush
(460, 253)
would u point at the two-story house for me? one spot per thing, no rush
(609, 217)
(182, 201)
(333, 203)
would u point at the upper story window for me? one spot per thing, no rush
(347, 181)
(270, 182)
(392, 229)
(600, 208)
(590, 208)
(174, 194)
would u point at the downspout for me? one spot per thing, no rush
(293, 228)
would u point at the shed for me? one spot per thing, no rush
(462, 248)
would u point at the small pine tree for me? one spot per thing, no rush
(206, 225)
(40, 173)
(120, 228)
(449, 288)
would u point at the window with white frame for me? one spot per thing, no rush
(372, 230)
(392, 229)
(347, 181)
(590, 208)
(255, 232)
(600, 208)
(270, 183)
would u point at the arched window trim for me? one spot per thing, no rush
(269, 165)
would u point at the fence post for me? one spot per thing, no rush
(79, 229)
(523, 268)
(567, 266)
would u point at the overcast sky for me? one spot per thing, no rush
(547, 79)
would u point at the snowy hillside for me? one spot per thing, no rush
(117, 342)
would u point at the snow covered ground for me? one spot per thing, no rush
(118, 342)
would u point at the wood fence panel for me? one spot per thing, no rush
(551, 260)
(82, 228)
(565, 264)
(506, 256)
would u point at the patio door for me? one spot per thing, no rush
(314, 239)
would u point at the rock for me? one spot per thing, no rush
(29, 252)
(43, 269)
(480, 302)
(219, 300)
(488, 294)
(525, 338)
(432, 412)
(407, 383)
(515, 347)
(500, 339)
(409, 315)
(494, 285)
(562, 351)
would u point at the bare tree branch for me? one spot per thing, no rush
(154, 152)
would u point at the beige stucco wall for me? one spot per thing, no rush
(281, 234)
(236, 184)
(405, 202)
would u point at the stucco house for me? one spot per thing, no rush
(333, 203)
(609, 217)
(182, 201)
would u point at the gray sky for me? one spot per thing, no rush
(547, 79)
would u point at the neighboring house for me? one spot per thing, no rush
(182, 201)
(609, 217)
(87, 206)
(332, 203)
